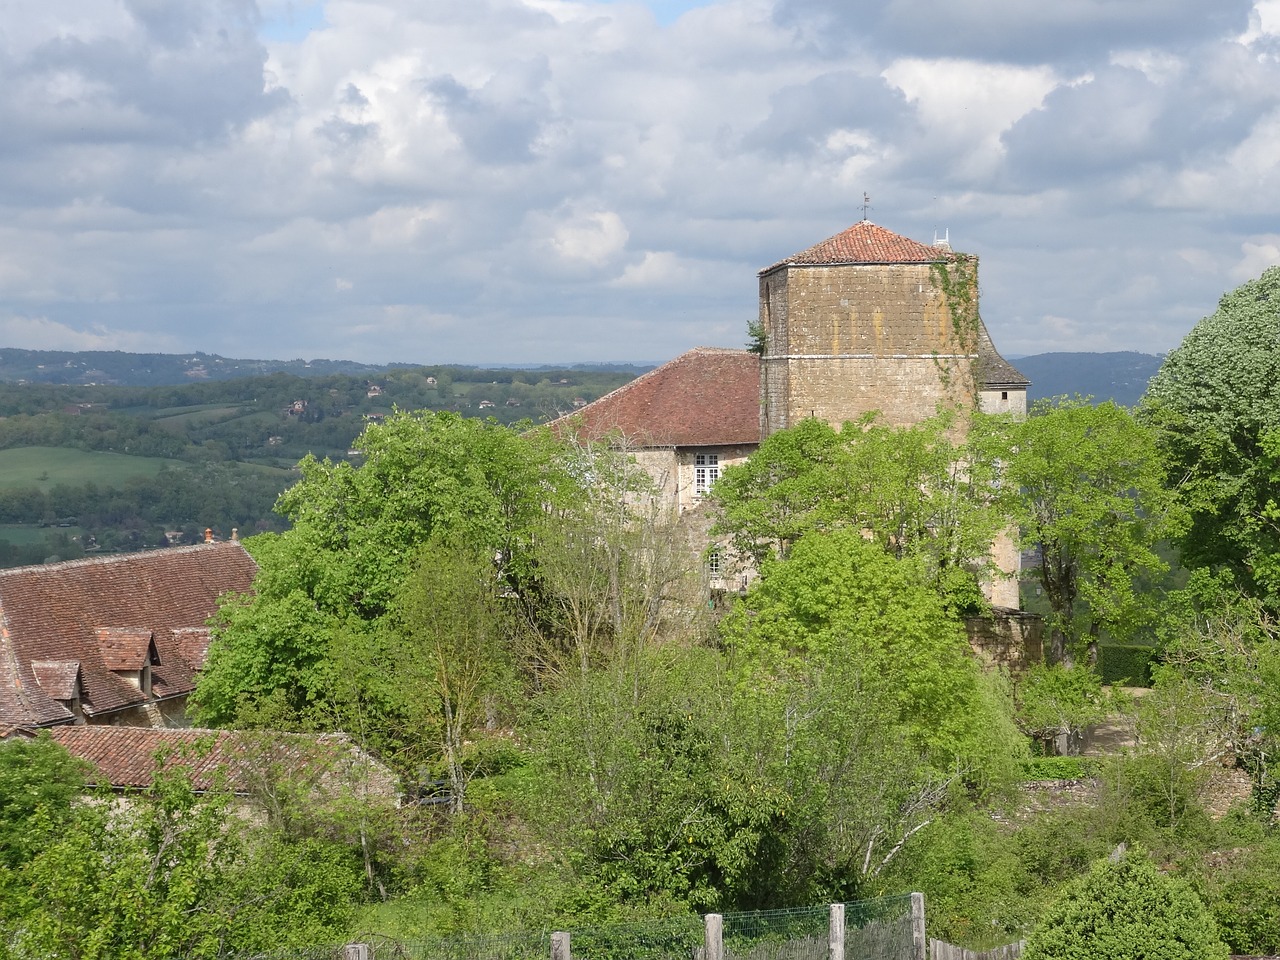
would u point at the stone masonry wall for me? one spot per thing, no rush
(855, 338)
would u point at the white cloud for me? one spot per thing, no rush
(1257, 254)
(521, 180)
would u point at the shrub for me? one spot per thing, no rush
(1126, 910)
(1061, 768)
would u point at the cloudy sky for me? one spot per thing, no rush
(559, 180)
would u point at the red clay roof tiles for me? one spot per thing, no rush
(53, 613)
(705, 397)
(864, 242)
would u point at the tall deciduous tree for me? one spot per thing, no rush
(357, 531)
(1216, 404)
(1086, 490)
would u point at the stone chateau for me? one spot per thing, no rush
(866, 320)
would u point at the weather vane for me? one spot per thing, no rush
(866, 205)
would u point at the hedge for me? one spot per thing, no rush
(1126, 665)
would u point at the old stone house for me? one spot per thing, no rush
(864, 321)
(112, 640)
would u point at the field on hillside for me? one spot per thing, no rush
(45, 467)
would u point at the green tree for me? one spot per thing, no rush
(1087, 495)
(357, 532)
(1216, 405)
(453, 660)
(1125, 909)
(1225, 646)
(916, 491)
(36, 777)
(838, 595)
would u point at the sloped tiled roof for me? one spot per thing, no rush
(58, 678)
(705, 397)
(54, 613)
(125, 757)
(995, 370)
(125, 648)
(864, 242)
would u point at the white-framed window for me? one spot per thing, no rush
(715, 562)
(706, 471)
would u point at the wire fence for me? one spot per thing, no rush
(873, 930)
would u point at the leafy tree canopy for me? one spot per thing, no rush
(1216, 403)
(839, 596)
(916, 490)
(1087, 494)
(357, 533)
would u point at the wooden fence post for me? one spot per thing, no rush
(713, 936)
(560, 946)
(918, 942)
(355, 951)
(835, 932)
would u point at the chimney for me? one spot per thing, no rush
(208, 535)
(235, 534)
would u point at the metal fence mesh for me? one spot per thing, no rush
(797, 934)
(878, 929)
(874, 930)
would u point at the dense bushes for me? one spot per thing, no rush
(1126, 910)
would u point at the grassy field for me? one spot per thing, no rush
(44, 467)
(24, 534)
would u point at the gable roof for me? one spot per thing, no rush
(864, 242)
(707, 396)
(107, 614)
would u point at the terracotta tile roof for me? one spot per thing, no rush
(60, 679)
(995, 370)
(705, 397)
(126, 757)
(864, 242)
(57, 613)
(126, 648)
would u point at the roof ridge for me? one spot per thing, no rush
(117, 557)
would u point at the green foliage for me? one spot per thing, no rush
(1225, 646)
(915, 491)
(839, 595)
(452, 666)
(1054, 701)
(1061, 768)
(1126, 910)
(315, 618)
(1126, 664)
(38, 779)
(1091, 505)
(1244, 895)
(1216, 405)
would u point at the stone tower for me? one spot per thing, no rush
(869, 320)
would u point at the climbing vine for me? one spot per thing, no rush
(957, 278)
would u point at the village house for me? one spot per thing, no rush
(864, 321)
(112, 640)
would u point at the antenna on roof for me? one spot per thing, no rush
(866, 205)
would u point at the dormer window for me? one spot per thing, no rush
(129, 653)
(60, 680)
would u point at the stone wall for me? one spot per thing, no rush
(1007, 638)
(845, 340)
